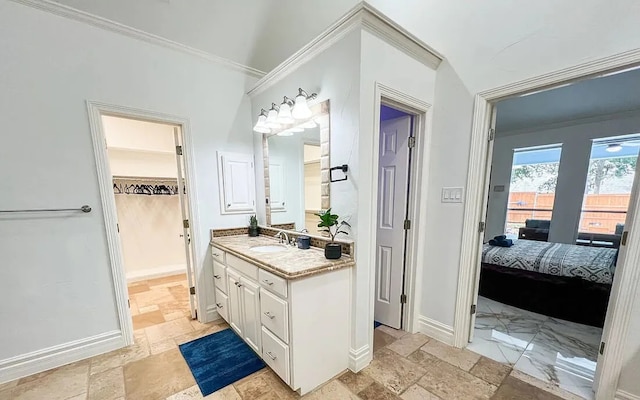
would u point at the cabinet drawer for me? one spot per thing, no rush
(272, 282)
(274, 315)
(276, 355)
(222, 305)
(240, 265)
(220, 276)
(217, 254)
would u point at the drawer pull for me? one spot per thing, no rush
(217, 276)
(238, 284)
(216, 254)
(268, 314)
(271, 356)
(268, 282)
(219, 305)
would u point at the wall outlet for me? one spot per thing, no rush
(452, 195)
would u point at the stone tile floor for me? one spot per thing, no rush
(405, 366)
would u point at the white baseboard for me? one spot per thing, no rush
(436, 330)
(156, 272)
(56, 356)
(622, 395)
(359, 358)
(210, 315)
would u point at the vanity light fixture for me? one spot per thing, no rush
(284, 115)
(261, 125)
(309, 124)
(272, 117)
(287, 132)
(301, 108)
(614, 148)
(297, 129)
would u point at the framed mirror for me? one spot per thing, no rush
(296, 176)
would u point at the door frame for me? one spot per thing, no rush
(417, 210)
(628, 276)
(95, 112)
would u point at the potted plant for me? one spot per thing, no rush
(253, 226)
(330, 224)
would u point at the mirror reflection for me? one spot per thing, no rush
(295, 178)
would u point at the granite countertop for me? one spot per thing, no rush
(291, 263)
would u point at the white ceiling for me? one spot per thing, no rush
(487, 43)
(606, 95)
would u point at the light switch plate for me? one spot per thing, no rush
(452, 195)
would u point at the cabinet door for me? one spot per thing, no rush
(250, 293)
(235, 305)
(236, 180)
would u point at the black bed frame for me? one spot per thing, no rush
(568, 298)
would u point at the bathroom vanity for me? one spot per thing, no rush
(291, 306)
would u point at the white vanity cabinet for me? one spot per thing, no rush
(299, 327)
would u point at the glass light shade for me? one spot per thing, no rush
(297, 129)
(285, 133)
(284, 115)
(309, 124)
(301, 109)
(614, 148)
(272, 119)
(261, 126)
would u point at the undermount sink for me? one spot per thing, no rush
(272, 248)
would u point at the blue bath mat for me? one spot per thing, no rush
(219, 359)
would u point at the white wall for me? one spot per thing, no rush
(576, 139)
(55, 274)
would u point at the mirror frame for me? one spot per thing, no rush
(321, 116)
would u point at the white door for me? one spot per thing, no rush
(237, 178)
(485, 205)
(235, 306)
(250, 299)
(276, 185)
(622, 254)
(393, 174)
(186, 220)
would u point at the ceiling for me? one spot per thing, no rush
(589, 98)
(486, 43)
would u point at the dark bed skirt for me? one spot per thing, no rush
(571, 299)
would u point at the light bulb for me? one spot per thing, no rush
(286, 133)
(272, 119)
(297, 129)
(284, 115)
(301, 109)
(614, 148)
(261, 126)
(309, 124)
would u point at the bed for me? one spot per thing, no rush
(564, 281)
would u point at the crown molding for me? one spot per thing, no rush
(362, 16)
(113, 26)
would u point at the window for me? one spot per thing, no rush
(534, 174)
(612, 168)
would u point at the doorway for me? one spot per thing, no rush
(552, 194)
(397, 142)
(144, 170)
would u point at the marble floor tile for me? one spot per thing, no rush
(226, 393)
(396, 333)
(451, 383)
(148, 319)
(153, 297)
(546, 386)
(56, 384)
(106, 385)
(417, 392)
(191, 393)
(134, 288)
(168, 330)
(356, 382)
(334, 390)
(516, 389)
(461, 358)
(137, 351)
(162, 346)
(193, 335)
(490, 371)
(408, 343)
(283, 391)
(423, 359)
(376, 391)
(381, 339)
(394, 372)
(253, 387)
(157, 376)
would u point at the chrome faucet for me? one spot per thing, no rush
(282, 235)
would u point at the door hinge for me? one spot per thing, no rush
(185, 223)
(411, 142)
(118, 227)
(407, 224)
(492, 134)
(473, 309)
(196, 312)
(403, 299)
(192, 290)
(623, 241)
(482, 226)
(129, 303)
(179, 150)
(601, 351)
